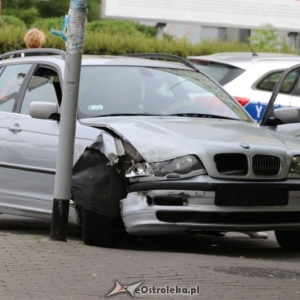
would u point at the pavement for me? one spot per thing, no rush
(232, 267)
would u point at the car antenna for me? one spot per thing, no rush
(253, 52)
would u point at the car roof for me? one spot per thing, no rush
(129, 61)
(58, 57)
(244, 60)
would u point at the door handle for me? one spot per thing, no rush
(14, 128)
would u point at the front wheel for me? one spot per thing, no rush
(288, 239)
(98, 230)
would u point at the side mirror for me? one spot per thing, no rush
(43, 110)
(287, 115)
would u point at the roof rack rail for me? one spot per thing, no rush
(31, 52)
(164, 55)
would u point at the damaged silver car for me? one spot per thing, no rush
(160, 148)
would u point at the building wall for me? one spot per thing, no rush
(196, 33)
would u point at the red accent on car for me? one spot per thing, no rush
(242, 101)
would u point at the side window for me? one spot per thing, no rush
(290, 83)
(296, 91)
(44, 86)
(268, 82)
(10, 82)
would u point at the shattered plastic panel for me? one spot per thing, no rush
(96, 185)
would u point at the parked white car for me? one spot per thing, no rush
(250, 77)
(160, 148)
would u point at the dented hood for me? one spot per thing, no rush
(163, 138)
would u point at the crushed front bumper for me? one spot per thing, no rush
(190, 206)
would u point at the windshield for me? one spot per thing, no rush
(123, 90)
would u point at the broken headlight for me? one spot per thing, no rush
(180, 165)
(139, 170)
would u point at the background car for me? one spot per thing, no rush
(160, 148)
(251, 77)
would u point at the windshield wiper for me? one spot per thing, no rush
(202, 116)
(125, 114)
(195, 115)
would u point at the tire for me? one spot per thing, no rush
(288, 239)
(98, 230)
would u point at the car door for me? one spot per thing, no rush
(11, 80)
(32, 146)
(261, 92)
(285, 120)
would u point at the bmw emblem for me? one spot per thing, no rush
(245, 146)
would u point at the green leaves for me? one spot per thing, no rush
(265, 39)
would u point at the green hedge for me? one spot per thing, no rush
(113, 37)
(11, 38)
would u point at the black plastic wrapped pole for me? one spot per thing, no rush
(74, 24)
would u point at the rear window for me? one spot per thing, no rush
(221, 73)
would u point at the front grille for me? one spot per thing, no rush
(231, 164)
(236, 164)
(238, 218)
(266, 165)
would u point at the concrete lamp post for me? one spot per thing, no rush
(74, 25)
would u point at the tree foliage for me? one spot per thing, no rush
(121, 27)
(13, 21)
(18, 4)
(30, 11)
(53, 8)
(24, 10)
(264, 39)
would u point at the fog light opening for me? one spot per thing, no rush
(169, 200)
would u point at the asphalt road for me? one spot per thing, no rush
(231, 267)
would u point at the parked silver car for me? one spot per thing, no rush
(160, 148)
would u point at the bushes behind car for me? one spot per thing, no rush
(115, 37)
